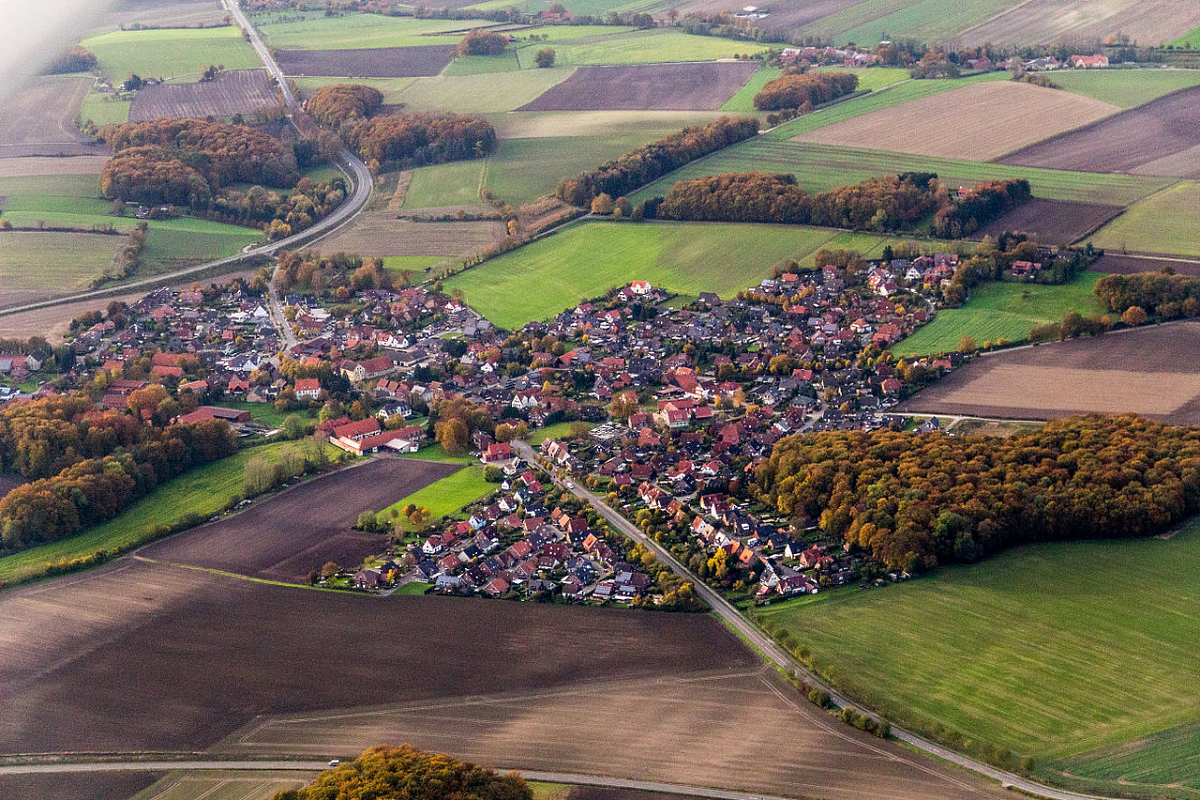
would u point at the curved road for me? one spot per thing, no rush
(352, 167)
(772, 652)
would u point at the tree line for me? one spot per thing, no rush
(644, 164)
(340, 103)
(481, 42)
(913, 502)
(1163, 294)
(804, 90)
(413, 139)
(77, 59)
(982, 204)
(88, 465)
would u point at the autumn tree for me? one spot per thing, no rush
(624, 405)
(453, 436)
(544, 58)
(480, 42)
(602, 204)
(1134, 316)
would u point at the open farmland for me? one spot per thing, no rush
(35, 265)
(240, 91)
(382, 62)
(1052, 221)
(77, 786)
(964, 123)
(1003, 311)
(1023, 650)
(170, 52)
(355, 31)
(164, 14)
(1162, 223)
(679, 87)
(446, 495)
(549, 124)
(1126, 88)
(587, 259)
(479, 93)
(224, 785)
(381, 233)
(1161, 137)
(820, 167)
(648, 47)
(39, 120)
(925, 20)
(1149, 371)
(1113, 264)
(1148, 22)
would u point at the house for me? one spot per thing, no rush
(1096, 61)
(307, 388)
(367, 579)
(497, 451)
(213, 412)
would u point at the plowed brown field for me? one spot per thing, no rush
(237, 91)
(978, 122)
(372, 62)
(380, 233)
(1054, 221)
(1149, 22)
(651, 87)
(39, 120)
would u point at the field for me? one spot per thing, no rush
(1158, 138)
(381, 62)
(285, 538)
(40, 120)
(104, 109)
(80, 786)
(481, 93)
(223, 785)
(646, 47)
(1127, 265)
(1053, 221)
(1046, 21)
(871, 78)
(962, 123)
(165, 14)
(1126, 88)
(446, 495)
(1024, 650)
(820, 167)
(355, 31)
(170, 53)
(743, 99)
(380, 233)
(1148, 371)
(680, 87)
(1162, 223)
(35, 265)
(456, 183)
(586, 260)
(552, 124)
(1003, 311)
(241, 91)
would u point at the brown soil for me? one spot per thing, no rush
(51, 165)
(1057, 222)
(383, 234)
(1049, 21)
(1153, 132)
(39, 120)
(1128, 265)
(1151, 371)
(76, 785)
(287, 536)
(369, 62)
(239, 91)
(653, 87)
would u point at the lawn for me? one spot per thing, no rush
(1126, 87)
(1051, 650)
(355, 31)
(479, 93)
(447, 495)
(203, 491)
(1003, 310)
(434, 452)
(585, 260)
(820, 167)
(170, 52)
(264, 413)
(645, 47)
(1163, 223)
(556, 431)
(743, 100)
(415, 263)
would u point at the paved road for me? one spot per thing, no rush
(772, 652)
(352, 167)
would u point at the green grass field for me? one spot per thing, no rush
(556, 431)
(585, 260)
(820, 167)
(1190, 40)
(1126, 87)
(415, 263)
(871, 78)
(1003, 311)
(170, 52)
(645, 47)
(203, 491)
(589, 7)
(1163, 223)
(480, 93)
(36, 265)
(482, 65)
(1153, 762)
(743, 99)
(456, 183)
(925, 20)
(355, 31)
(1051, 650)
(447, 495)
(104, 109)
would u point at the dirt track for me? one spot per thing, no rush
(651, 87)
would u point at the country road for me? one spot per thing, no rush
(352, 167)
(781, 658)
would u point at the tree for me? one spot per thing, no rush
(602, 204)
(624, 405)
(453, 436)
(1134, 316)
(544, 57)
(330, 569)
(967, 344)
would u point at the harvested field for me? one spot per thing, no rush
(31, 166)
(382, 234)
(35, 265)
(39, 120)
(1128, 265)
(1164, 223)
(225, 784)
(1150, 22)
(375, 62)
(76, 786)
(965, 123)
(239, 91)
(1161, 137)
(547, 124)
(164, 14)
(53, 322)
(1149, 371)
(1054, 221)
(285, 537)
(652, 87)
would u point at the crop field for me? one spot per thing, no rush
(1024, 650)
(35, 265)
(1052, 221)
(1158, 138)
(1162, 223)
(927, 20)
(165, 14)
(1047, 21)
(871, 78)
(960, 123)
(446, 495)
(354, 31)
(1146, 371)
(586, 260)
(40, 120)
(33, 166)
(743, 98)
(1126, 88)
(376, 62)
(241, 91)
(480, 93)
(456, 183)
(380, 233)
(1167, 763)
(550, 124)
(1112, 264)
(1003, 311)
(649, 47)
(77, 786)
(170, 52)
(819, 168)
(223, 785)
(390, 87)
(680, 87)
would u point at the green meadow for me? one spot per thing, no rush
(170, 52)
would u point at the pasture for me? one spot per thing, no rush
(1150, 371)
(170, 53)
(1047, 21)
(39, 120)
(455, 183)
(1162, 223)
(242, 91)
(446, 495)
(35, 265)
(585, 260)
(479, 93)
(743, 98)
(104, 109)
(961, 123)
(354, 31)
(1003, 311)
(1126, 88)
(648, 47)
(679, 87)
(1024, 651)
